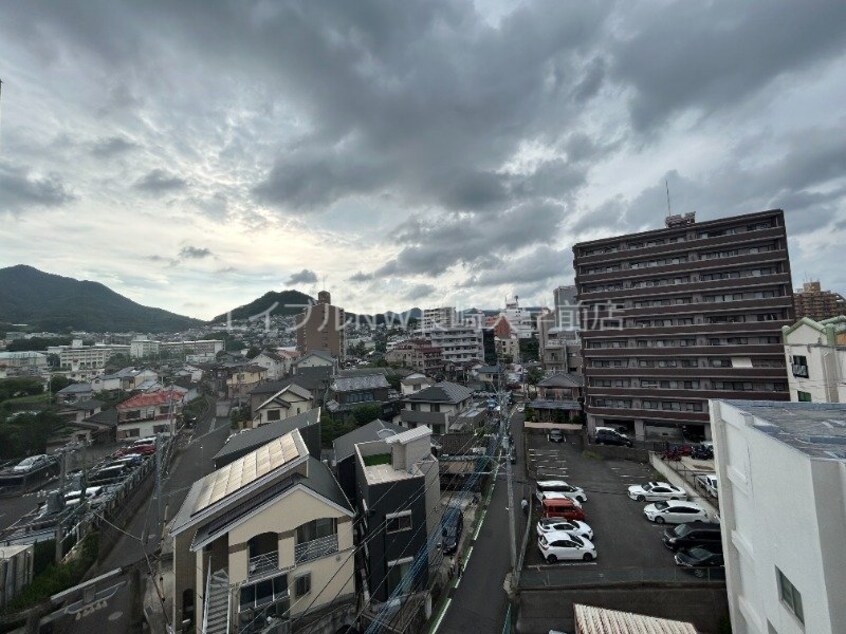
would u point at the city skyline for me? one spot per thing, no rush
(431, 154)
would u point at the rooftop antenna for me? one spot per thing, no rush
(669, 207)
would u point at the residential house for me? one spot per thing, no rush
(243, 379)
(815, 352)
(398, 495)
(277, 364)
(247, 440)
(266, 541)
(74, 392)
(289, 401)
(79, 410)
(344, 458)
(414, 383)
(316, 358)
(489, 375)
(785, 571)
(559, 398)
(147, 414)
(436, 406)
(347, 392)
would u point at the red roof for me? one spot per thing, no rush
(162, 397)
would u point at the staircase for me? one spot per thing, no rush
(216, 619)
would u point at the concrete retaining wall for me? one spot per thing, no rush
(674, 477)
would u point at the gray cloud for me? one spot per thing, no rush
(419, 291)
(303, 277)
(194, 253)
(542, 264)
(159, 181)
(360, 277)
(112, 146)
(20, 187)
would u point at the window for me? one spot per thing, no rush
(799, 365)
(790, 596)
(263, 592)
(397, 570)
(396, 522)
(316, 529)
(804, 397)
(273, 414)
(302, 585)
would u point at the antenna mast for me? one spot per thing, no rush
(669, 208)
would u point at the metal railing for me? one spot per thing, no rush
(261, 564)
(315, 549)
(574, 575)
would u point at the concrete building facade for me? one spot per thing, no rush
(811, 301)
(676, 316)
(320, 328)
(781, 469)
(815, 353)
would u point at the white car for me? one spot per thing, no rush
(708, 482)
(562, 546)
(654, 491)
(559, 486)
(675, 512)
(31, 464)
(574, 527)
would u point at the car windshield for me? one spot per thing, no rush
(647, 487)
(700, 553)
(578, 540)
(681, 530)
(661, 505)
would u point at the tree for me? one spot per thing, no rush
(365, 413)
(20, 386)
(529, 413)
(534, 376)
(118, 361)
(529, 349)
(59, 382)
(35, 344)
(253, 352)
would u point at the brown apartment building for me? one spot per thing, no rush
(811, 301)
(321, 328)
(676, 316)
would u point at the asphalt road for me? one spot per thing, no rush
(479, 603)
(192, 464)
(624, 538)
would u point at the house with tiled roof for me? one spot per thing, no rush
(148, 414)
(278, 363)
(288, 401)
(436, 406)
(347, 392)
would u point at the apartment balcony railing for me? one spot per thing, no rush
(315, 549)
(262, 564)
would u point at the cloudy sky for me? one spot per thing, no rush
(195, 155)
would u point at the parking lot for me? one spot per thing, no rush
(625, 540)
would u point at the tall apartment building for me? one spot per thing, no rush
(443, 317)
(676, 316)
(458, 344)
(811, 301)
(558, 333)
(321, 328)
(785, 571)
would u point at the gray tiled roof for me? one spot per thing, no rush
(75, 388)
(321, 481)
(356, 383)
(443, 392)
(252, 439)
(345, 445)
(563, 380)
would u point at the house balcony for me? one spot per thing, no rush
(261, 565)
(315, 549)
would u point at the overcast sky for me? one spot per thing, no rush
(194, 155)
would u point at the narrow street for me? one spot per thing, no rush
(479, 602)
(193, 463)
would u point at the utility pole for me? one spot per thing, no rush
(504, 422)
(59, 528)
(158, 481)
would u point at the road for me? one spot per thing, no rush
(194, 462)
(479, 603)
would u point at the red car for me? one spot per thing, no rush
(562, 507)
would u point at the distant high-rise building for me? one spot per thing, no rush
(677, 316)
(811, 301)
(320, 328)
(443, 317)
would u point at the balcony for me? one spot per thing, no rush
(262, 564)
(315, 549)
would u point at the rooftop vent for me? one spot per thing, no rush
(680, 220)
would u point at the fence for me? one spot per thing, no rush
(564, 576)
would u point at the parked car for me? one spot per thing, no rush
(654, 491)
(32, 463)
(574, 527)
(521, 408)
(708, 482)
(555, 435)
(559, 486)
(109, 474)
(699, 559)
(452, 525)
(693, 534)
(561, 507)
(608, 436)
(562, 546)
(674, 512)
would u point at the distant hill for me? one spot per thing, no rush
(289, 302)
(55, 303)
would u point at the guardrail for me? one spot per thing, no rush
(579, 575)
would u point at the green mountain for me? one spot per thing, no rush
(278, 303)
(55, 303)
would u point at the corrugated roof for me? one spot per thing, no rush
(591, 620)
(355, 383)
(409, 435)
(443, 392)
(252, 439)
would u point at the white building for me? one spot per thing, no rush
(144, 348)
(23, 359)
(443, 317)
(200, 348)
(520, 320)
(781, 469)
(815, 352)
(77, 357)
(458, 344)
